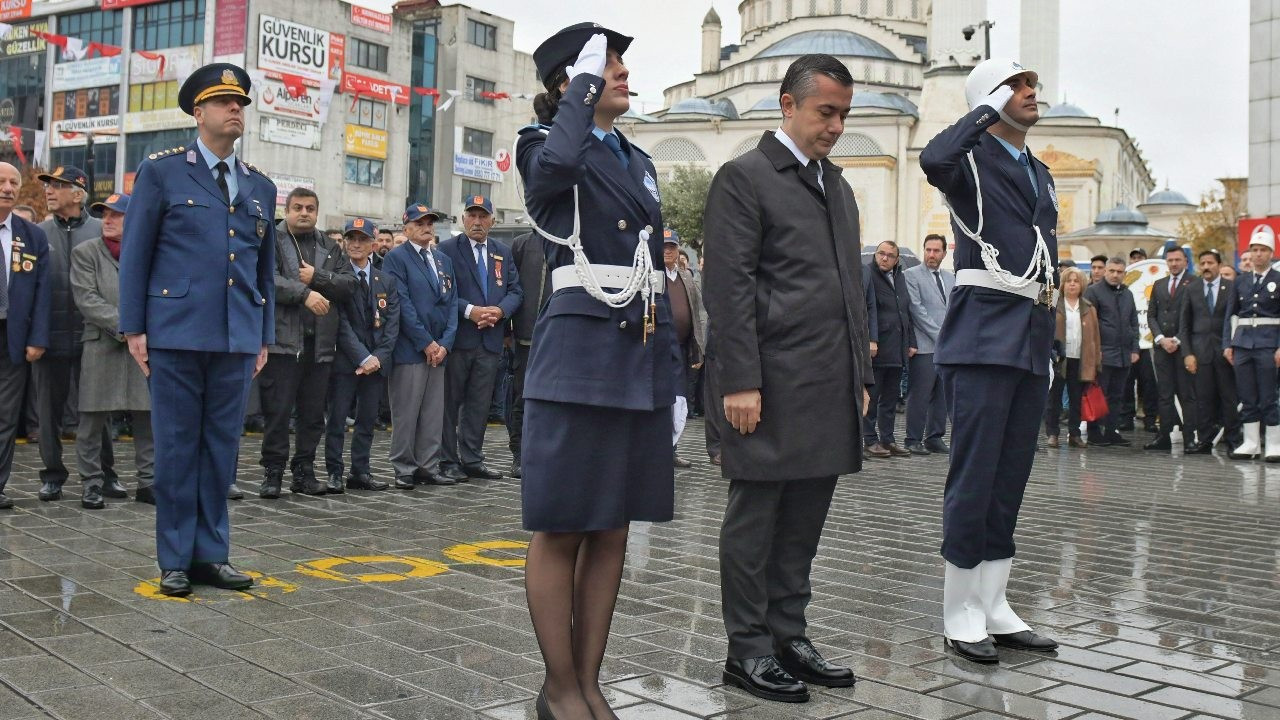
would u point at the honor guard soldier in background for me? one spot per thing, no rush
(196, 303)
(24, 312)
(994, 349)
(1250, 338)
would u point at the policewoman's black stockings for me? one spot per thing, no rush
(571, 584)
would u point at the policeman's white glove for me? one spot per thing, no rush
(592, 58)
(998, 99)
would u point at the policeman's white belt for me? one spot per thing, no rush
(609, 276)
(983, 279)
(1257, 322)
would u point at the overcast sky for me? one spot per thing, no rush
(1176, 69)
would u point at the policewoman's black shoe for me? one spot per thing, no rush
(800, 658)
(980, 652)
(1026, 640)
(765, 678)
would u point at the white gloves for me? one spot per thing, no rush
(998, 99)
(592, 58)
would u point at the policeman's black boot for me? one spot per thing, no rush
(270, 489)
(50, 490)
(305, 474)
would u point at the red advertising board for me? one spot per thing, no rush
(117, 4)
(337, 55)
(1246, 226)
(16, 9)
(372, 19)
(229, 27)
(374, 88)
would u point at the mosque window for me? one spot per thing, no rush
(789, 9)
(888, 7)
(677, 149)
(768, 12)
(915, 8)
(837, 7)
(813, 7)
(864, 8)
(856, 145)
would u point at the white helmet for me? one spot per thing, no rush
(989, 75)
(1263, 235)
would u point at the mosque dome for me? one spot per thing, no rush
(1121, 214)
(886, 101)
(703, 106)
(1168, 197)
(769, 103)
(840, 43)
(1066, 110)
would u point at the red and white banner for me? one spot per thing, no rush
(384, 90)
(372, 19)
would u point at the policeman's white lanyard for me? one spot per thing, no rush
(1041, 262)
(643, 277)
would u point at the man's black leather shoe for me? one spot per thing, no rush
(5, 502)
(50, 490)
(800, 658)
(1026, 640)
(335, 486)
(234, 492)
(918, 448)
(270, 489)
(405, 482)
(765, 678)
(144, 494)
(516, 472)
(220, 575)
(1203, 448)
(1117, 440)
(113, 489)
(452, 473)
(92, 498)
(437, 479)
(175, 583)
(365, 481)
(1162, 442)
(482, 472)
(937, 445)
(980, 652)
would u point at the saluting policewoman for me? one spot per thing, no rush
(600, 383)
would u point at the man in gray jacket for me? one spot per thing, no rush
(57, 373)
(1118, 326)
(929, 286)
(311, 274)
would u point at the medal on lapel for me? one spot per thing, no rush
(497, 270)
(262, 229)
(27, 266)
(446, 282)
(652, 186)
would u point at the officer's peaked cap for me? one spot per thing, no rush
(562, 48)
(211, 81)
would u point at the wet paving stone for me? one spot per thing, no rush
(1155, 572)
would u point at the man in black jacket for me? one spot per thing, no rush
(1164, 314)
(893, 341)
(55, 374)
(1118, 326)
(1202, 320)
(311, 273)
(531, 264)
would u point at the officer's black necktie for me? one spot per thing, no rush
(938, 279)
(611, 141)
(1208, 296)
(221, 167)
(364, 291)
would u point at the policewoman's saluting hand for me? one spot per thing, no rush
(592, 58)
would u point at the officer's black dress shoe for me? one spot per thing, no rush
(1117, 440)
(50, 490)
(800, 658)
(234, 492)
(270, 489)
(452, 473)
(220, 575)
(91, 499)
(5, 502)
(765, 678)
(980, 652)
(437, 479)
(1162, 442)
(917, 448)
(144, 494)
(335, 486)
(481, 471)
(937, 445)
(1026, 640)
(365, 481)
(516, 472)
(175, 583)
(113, 489)
(680, 462)
(1201, 448)
(405, 482)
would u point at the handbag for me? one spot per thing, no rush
(1093, 404)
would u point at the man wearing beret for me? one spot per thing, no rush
(197, 306)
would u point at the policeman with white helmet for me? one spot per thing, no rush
(1251, 342)
(993, 351)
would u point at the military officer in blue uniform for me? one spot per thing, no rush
(196, 303)
(596, 450)
(993, 350)
(1251, 343)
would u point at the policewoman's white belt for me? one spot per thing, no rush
(1257, 321)
(983, 279)
(609, 276)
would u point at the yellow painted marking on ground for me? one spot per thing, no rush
(418, 568)
(150, 589)
(474, 553)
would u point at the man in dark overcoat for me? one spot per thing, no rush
(783, 288)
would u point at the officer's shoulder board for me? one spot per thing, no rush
(536, 127)
(171, 152)
(259, 172)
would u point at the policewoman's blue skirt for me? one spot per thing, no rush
(589, 468)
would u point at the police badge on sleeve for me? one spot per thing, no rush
(652, 186)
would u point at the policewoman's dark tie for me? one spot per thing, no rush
(221, 167)
(611, 141)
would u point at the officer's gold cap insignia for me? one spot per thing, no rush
(477, 200)
(229, 78)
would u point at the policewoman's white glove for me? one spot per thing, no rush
(998, 99)
(592, 58)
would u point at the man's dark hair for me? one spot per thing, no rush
(1116, 260)
(300, 192)
(1177, 249)
(934, 236)
(800, 81)
(386, 231)
(334, 231)
(1098, 258)
(1216, 255)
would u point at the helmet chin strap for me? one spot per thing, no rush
(1004, 116)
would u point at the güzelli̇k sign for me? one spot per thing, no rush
(288, 47)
